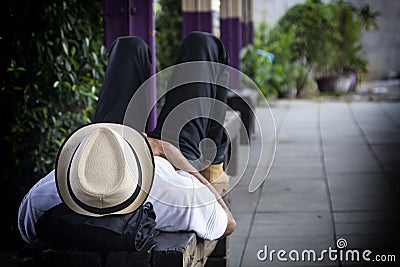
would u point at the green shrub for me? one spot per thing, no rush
(316, 34)
(348, 55)
(273, 77)
(327, 38)
(56, 67)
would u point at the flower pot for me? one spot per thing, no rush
(353, 77)
(341, 83)
(327, 84)
(287, 94)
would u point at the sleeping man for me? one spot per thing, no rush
(108, 170)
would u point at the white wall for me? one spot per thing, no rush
(382, 47)
(271, 10)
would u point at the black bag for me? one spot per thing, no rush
(66, 229)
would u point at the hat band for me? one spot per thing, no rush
(112, 209)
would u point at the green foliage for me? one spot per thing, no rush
(348, 55)
(315, 33)
(277, 77)
(261, 70)
(311, 38)
(368, 18)
(327, 36)
(168, 32)
(52, 79)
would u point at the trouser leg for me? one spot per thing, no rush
(197, 46)
(128, 67)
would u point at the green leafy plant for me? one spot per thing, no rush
(277, 74)
(327, 37)
(260, 69)
(53, 80)
(316, 34)
(367, 18)
(348, 56)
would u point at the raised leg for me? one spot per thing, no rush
(128, 67)
(195, 117)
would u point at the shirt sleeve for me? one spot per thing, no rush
(209, 221)
(186, 210)
(40, 198)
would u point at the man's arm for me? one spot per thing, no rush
(174, 156)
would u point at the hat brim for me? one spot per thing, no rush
(134, 138)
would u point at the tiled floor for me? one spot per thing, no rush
(336, 174)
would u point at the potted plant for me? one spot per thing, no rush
(327, 41)
(348, 60)
(315, 33)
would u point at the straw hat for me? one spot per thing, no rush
(103, 169)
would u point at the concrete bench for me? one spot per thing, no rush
(232, 125)
(172, 249)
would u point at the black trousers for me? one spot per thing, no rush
(129, 66)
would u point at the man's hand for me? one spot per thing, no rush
(171, 153)
(156, 146)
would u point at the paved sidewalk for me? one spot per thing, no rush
(336, 175)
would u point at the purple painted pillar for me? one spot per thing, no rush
(231, 36)
(134, 18)
(244, 34)
(244, 23)
(225, 27)
(196, 16)
(189, 22)
(247, 22)
(142, 24)
(250, 29)
(205, 21)
(236, 39)
(115, 20)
